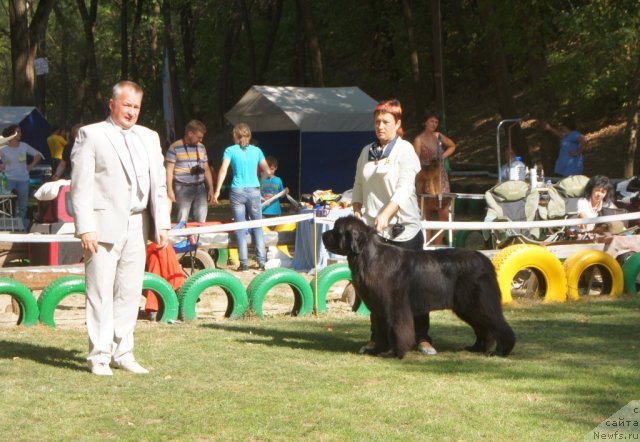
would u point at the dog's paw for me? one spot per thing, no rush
(475, 348)
(387, 354)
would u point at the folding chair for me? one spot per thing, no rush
(512, 201)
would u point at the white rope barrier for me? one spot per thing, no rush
(432, 225)
(496, 225)
(217, 228)
(506, 225)
(231, 227)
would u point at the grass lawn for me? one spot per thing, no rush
(288, 378)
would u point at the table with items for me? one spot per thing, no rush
(303, 258)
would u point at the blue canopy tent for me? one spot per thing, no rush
(35, 127)
(315, 133)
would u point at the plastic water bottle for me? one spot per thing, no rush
(3, 183)
(518, 170)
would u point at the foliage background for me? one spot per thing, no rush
(536, 59)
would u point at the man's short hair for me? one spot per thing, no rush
(195, 126)
(119, 86)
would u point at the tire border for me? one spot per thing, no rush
(29, 311)
(201, 255)
(510, 260)
(630, 271)
(59, 289)
(325, 279)
(169, 300)
(576, 264)
(194, 286)
(261, 284)
(55, 292)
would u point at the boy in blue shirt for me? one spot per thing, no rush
(271, 186)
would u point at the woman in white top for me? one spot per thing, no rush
(598, 194)
(384, 194)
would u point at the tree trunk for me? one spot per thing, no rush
(266, 56)
(502, 79)
(299, 59)
(250, 43)
(417, 98)
(227, 56)
(438, 62)
(633, 121)
(187, 28)
(154, 71)
(537, 35)
(313, 44)
(41, 80)
(135, 41)
(89, 93)
(178, 110)
(24, 44)
(124, 40)
(63, 107)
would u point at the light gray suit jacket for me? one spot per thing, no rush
(101, 181)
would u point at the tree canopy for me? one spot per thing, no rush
(535, 59)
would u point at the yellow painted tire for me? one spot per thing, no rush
(544, 264)
(284, 227)
(579, 262)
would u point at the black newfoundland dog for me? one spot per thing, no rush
(396, 284)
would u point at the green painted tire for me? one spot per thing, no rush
(261, 284)
(630, 270)
(168, 311)
(28, 306)
(327, 277)
(221, 257)
(360, 308)
(198, 282)
(59, 289)
(55, 292)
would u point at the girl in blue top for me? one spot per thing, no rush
(572, 145)
(244, 196)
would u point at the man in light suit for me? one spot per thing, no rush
(119, 199)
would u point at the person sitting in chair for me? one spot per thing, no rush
(598, 194)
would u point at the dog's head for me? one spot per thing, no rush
(348, 236)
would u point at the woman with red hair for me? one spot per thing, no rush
(384, 194)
